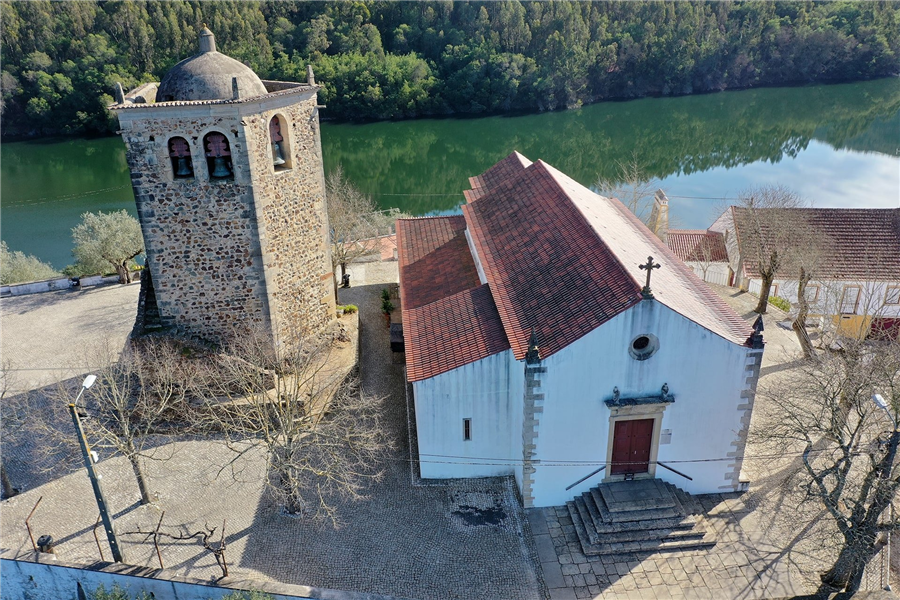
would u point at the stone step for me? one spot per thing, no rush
(691, 505)
(649, 541)
(578, 512)
(630, 496)
(648, 523)
(675, 512)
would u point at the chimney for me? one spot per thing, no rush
(659, 215)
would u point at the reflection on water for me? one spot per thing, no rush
(839, 145)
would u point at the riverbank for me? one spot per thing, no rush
(834, 144)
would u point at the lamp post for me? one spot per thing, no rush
(879, 401)
(118, 556)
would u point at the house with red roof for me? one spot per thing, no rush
(704, 252)
(856, 284)
(539, 344)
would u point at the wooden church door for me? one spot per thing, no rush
(631, 446)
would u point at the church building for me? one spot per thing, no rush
(228, 179)
(551, 336)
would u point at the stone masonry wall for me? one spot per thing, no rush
(292, 217)
(252, 251)
(200, 234)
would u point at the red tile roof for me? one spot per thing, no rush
(857, 243)
(510, 166)
(556, 256)
(547, 268)
(435, 261)
(697, 245)
(452, 332)
(449, 317)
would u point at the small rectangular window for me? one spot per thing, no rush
(467, 429)
(893, 296)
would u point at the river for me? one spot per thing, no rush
(837, 145)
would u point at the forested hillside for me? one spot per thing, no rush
(388, 60)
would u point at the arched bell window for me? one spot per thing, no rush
(218, 156)
(180, 155)
(281, 155)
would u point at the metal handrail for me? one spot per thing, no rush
(665, 466)
(588, 476)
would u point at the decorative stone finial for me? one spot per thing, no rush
(207, 40)
(533, 355)
(310, 78)
(756, 338)
(616, 394)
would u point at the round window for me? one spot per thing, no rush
(643, 346)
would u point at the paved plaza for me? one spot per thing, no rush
(404, 540)
(459, 539)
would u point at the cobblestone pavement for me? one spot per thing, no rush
(763, 551)
(405, 540)
(46, 337)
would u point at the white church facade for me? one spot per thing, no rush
(535, 347)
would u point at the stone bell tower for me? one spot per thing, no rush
(228, 180)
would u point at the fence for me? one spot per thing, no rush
(52, 285)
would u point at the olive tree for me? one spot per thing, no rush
(18, 267)
(105, 241)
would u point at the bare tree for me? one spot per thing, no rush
(10, 416)
(135, 398)
(320, 433)
(847, 446)
(803, 258)
(632, 185)
(767, 231)
(352, 217)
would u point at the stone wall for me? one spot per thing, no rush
(231, 253)
(291, 212)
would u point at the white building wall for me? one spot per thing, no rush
(489, 392)
(717, 273)
(705, 373)
(872, 297)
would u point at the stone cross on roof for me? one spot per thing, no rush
(645, 292)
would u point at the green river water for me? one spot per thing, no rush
(838, 145)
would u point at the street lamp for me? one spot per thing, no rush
(881, 403)
(118, 556)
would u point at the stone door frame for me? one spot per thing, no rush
(634, 413)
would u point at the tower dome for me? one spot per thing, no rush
(208, 76)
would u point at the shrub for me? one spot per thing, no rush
(116, 593)
(349, 308)
(248, 595)
(18, 267)
(385, 294)
(779, 302)
(387, 306)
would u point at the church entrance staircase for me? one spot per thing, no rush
(646, 515)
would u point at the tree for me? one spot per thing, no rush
(136, 397)
(354, 222)
(632, 185)
(320, 434)
(10, 416)
(104, 240)
(18, 267)
(768, 230)
(848, 447)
